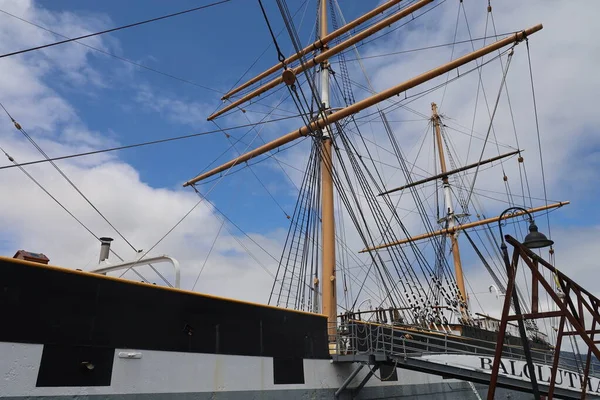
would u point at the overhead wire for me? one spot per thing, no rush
(38, 184)
(108, 53)
(149, 143)
(113, 29)
(72, 184)
(188, 212)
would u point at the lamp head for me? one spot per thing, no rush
(535, 239)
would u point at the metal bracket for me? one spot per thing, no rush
(362, 384)
(348, 380)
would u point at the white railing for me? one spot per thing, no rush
(363, 339)
(137, 263)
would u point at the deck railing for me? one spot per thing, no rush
(362, 339)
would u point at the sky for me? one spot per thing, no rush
(71, 98)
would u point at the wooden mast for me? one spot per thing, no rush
(450, 217)
(329, 299)
(316, 45)
(326, 53)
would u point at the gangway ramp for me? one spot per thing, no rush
(386, 347)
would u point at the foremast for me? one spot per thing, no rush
(450, 216)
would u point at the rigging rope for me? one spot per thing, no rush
(11, 159)
(224, 174)
(141, 144)
(537, 128)
(490, 127)
(280, 55)
(212, 246)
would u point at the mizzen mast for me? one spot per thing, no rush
(329, 298)
(450, 216)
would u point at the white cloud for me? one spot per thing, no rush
(179, 111)
(143, 214)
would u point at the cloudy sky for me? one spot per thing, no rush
(72, 98)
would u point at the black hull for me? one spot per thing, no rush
(82, 317)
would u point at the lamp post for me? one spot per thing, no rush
(533, 240)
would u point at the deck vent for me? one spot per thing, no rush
(29, 256)
(104, 248)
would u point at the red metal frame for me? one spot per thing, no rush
(577, 305)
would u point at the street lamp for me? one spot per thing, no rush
(533, 240)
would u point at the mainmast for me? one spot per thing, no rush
(327, 117)
(329, 300)
(450, 217)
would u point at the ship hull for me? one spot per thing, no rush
(175, 375)
(70, 334)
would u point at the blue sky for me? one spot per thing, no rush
(70, 92)
(211, 47)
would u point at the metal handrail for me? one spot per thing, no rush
(393, 341)
(136, 263)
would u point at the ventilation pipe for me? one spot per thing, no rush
(104, 248)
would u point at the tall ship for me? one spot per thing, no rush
(370, 295)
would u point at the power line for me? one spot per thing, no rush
(113, 29)
(152, 142)
(114, 55)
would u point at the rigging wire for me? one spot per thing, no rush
(401, 25)
(537, 128)
(432, 47)
(412, 98)
(539, 142)
(114, 29)
(11, 159)
(256, 176)
(225, 173)
(212, 246)
(522, 169)
(224, 217)
(141, 144)
(452, 53)
(490, 128)
(364, 72)
(299, 102)
(305, 2)
(72, 184)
